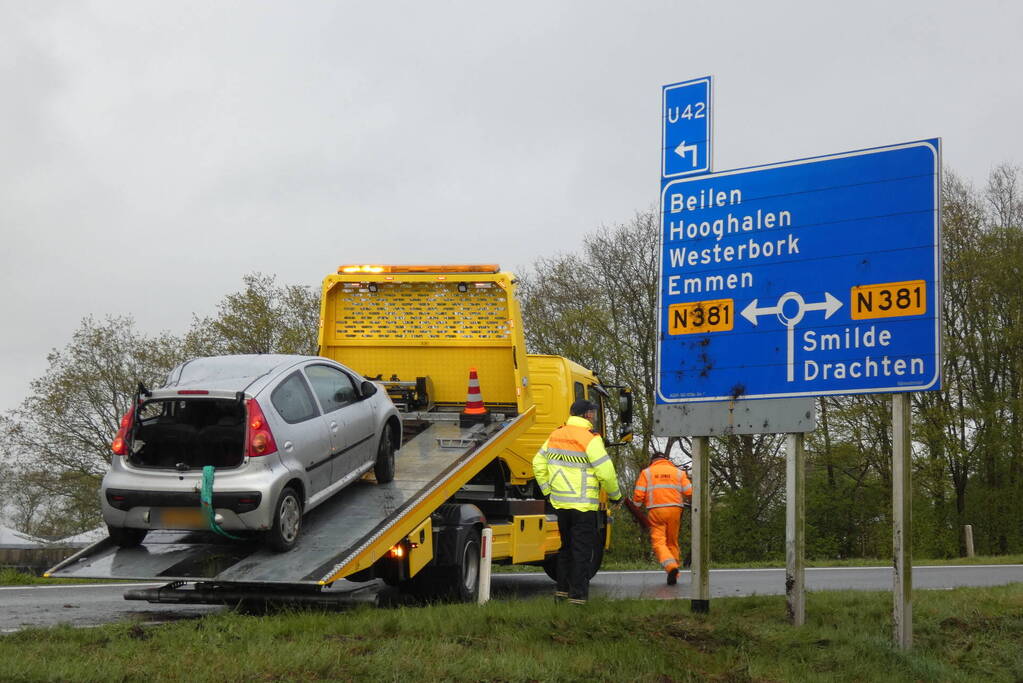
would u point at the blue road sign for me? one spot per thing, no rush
(686, 128)
(804, 278)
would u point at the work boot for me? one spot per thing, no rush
(673, 576)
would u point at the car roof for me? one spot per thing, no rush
(231, 373)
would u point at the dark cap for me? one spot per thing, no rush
(581, 407)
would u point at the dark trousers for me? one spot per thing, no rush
(575, 559)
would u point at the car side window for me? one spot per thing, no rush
(293, 400)
(332, 387)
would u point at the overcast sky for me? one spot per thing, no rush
(151, 153)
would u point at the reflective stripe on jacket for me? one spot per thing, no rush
(572, 465)
(662, 485)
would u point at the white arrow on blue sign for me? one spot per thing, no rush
(686, 128)
(804, 278)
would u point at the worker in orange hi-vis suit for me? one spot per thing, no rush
(662, 489)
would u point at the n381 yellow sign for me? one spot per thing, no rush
(889, 300)
(701, 316)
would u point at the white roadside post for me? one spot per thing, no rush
(902, 498)
(486, 541)
(700, 582)
(795, 542)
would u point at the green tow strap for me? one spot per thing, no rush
(206, 497)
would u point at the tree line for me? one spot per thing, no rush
(598, 306)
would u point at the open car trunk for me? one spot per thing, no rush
(189, 433)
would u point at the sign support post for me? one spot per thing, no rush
(902, 497)
(700, 582)
(795, 543)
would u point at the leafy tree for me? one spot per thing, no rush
(58, 439)
(264, 317)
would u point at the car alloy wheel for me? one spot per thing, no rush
(291, 518)
(287, 522)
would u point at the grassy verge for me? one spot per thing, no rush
(966, 634)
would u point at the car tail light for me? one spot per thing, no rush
(120, 444)
(259, 440)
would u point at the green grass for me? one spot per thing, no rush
(960, 635)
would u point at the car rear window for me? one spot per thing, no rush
(293, 400)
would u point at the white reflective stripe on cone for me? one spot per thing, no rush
(486, 551)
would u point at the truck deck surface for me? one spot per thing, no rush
(360, 522)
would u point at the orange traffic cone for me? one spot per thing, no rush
(475, 412)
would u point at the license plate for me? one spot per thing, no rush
(181, 518)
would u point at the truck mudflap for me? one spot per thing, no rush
(346, 534)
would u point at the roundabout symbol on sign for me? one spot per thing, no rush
(829, 306)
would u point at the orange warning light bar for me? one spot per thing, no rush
(412, 270)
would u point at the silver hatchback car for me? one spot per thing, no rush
(282, 434)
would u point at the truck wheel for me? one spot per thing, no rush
(283, 535)
(466, 575)
(383, 470)
(459, 582)
(126, 537)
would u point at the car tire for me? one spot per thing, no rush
(126, 537)
(287, 523)
(383, 469)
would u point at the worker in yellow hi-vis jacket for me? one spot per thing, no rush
(570, 468)
(662, 489)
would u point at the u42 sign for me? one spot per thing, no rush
(804, 278)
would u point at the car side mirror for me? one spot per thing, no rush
(625, 406)
(625, 410)
(367, 389)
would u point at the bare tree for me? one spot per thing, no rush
(598, 307)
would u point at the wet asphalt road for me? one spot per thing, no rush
(83, 605)
(726, 583)
(94, 604)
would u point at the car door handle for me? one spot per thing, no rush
(288, 446)
(333, 427)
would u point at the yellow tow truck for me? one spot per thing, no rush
(421, 331)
